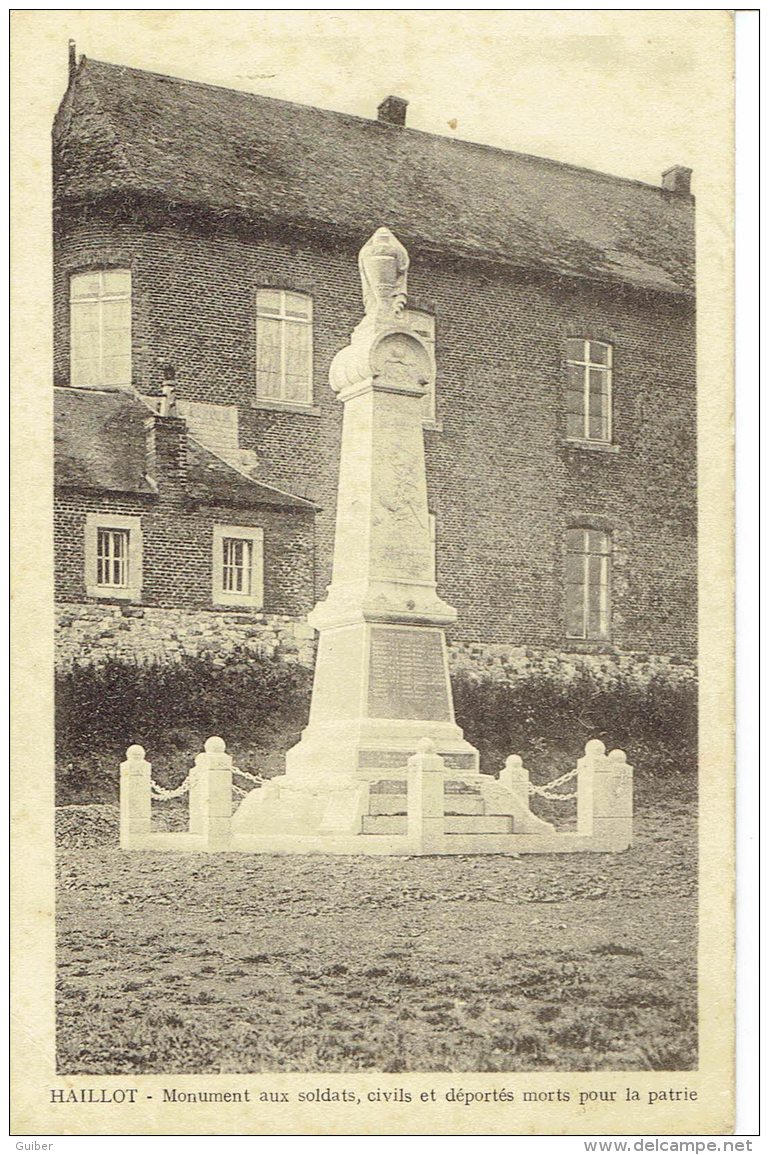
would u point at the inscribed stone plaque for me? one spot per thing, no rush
(407, 677)
(397, 759)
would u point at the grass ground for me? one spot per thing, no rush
(238, 963)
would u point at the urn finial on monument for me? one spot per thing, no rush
(384, 351)
(383, 264)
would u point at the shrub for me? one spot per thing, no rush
(547, 719)
(258, 704)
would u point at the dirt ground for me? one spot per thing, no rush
(237, 963)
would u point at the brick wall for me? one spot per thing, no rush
(215, 425)
(178, 550)
(501, 482)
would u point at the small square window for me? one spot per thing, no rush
(113, 556)
(238, 566)
(112, 564)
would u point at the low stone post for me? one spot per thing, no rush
(613, 801)
(211, 796)
(424, 799)
(135, 796)
(593, 758)
(605, 796)
(515, 777)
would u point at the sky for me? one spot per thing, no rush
(619, 91)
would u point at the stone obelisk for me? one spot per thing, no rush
(381, 675)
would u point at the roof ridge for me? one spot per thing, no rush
(452, 141)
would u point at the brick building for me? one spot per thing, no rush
(206, 244)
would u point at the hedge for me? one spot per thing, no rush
(261, 704)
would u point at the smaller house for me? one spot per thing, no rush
(161, 545)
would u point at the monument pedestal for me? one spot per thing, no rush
(381, 675)
(379, 688)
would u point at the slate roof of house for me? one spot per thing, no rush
(100, 443)
(121, 131)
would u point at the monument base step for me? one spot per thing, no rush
(453, 824)
(454, 804)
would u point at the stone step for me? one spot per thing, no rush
(454, 824)
(453, 803)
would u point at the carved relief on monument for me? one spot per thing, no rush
(400, 359)
(401, 538)
(399, 491)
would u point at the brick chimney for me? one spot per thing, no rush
(677, 179)
(166, 450)
(392, 110)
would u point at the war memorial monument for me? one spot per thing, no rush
(382, 767)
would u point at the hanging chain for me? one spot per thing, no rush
(544, 791)
(251, 777)
(162, 794)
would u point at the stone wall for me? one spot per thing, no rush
(506, 663)
(90, 633)
(503, 482)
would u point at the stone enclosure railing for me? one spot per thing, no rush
(604, 797)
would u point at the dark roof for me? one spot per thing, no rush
(100, 444)
(124, 132)
(99, 441)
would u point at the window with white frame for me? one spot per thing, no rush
(588, 389)
(100, 327)
(424, 325)
(588, 584)
(113, 556)
(238, 566)
(283, 346)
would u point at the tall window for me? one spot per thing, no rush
(238, 565)
(424, 325)
(100, 327)
(113, 556)
(588, 389)
(284, 346)
(588, 584)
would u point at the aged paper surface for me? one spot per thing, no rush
(699, 47)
